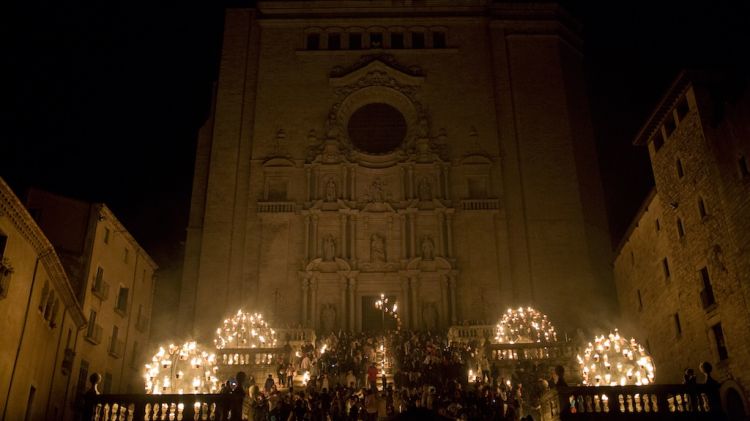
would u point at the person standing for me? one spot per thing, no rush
(89, 405)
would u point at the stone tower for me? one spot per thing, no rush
(439, 152)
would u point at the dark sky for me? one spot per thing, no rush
(105, 98)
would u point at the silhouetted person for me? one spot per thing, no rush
(712, 385)
(689, 377)
(89, 406)
(560, 373)
(238, 395)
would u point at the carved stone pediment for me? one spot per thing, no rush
(320, 265)
(381, 70)
(322, 205)
(437, 264)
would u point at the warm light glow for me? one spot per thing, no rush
(177, 369)
(245, 330)
(612, 360)
(524, 325)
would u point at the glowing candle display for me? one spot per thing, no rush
(245, 330)
(524, 325)
(181, 369)
(613, 360)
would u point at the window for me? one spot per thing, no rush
(313, 41)
(702, 208)
(3, 243)
(99, 277)
(83, 374)
(640, 300)
(658, 140)
(53, 313)
(665, 267)
(669, 126)
(107, 383)
(134, 355)
(682, 109)
(126, 255)
(677, 324)
(30, 403)
(744, 170)
(417, 40)
(376, 40)
(334, 41)
(721, 346)
(707, 293)
(122, 300)
(658, 225)
(438, 39)
(680, 170)
(106, 235)
(397, 40)
(355, 41)
(680, 228)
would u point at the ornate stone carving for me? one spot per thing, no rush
(428, 248)
(330, 190)
(377, 191)
(425, 189)
(327, 318)
(377, 249)
(429, 316)
(329, 248)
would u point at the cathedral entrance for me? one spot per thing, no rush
(374, 319)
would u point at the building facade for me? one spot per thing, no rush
(439, 153)
(113, 279)
(40, 315)
(683, 271)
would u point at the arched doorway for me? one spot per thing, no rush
(734, 405)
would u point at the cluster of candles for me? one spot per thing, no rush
(613, 360)
(181, 369)
(245, 330)
(524, 325)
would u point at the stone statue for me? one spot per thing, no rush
(429, 316)
(331, 190)
(428, 248)
(377, 248)
(329, 248)
(327, 318)
(377, 191)
(425, 190)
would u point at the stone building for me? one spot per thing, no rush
(683, 271)
(40, 317)
(113, 280)
(438, 152)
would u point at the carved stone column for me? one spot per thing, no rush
(307, 238)
(315, 252)
(412, 235)
(352, 301)
(452, 290)
(305, 288)
(341, 319)
(441, 230)
(353, 222)
(405, 304)
(449, 228)
(342, 237)
(402, 218)
(410, 172)
(446, 180)
(308, 178)
(314, 303)
(353, 192)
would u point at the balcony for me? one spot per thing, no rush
(67, 363)
(101, 290)
(653, 402)
(480, 204)
(142, 324)
(94, 334)
(276, 207)
(169, 407)
(6, 270)
(116, 347)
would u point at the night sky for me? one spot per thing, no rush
(102, 101)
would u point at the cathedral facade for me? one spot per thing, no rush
(436, 152)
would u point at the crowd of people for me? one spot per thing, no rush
(401, 375)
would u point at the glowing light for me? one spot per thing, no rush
(245, 330)
(175, 369)
(524, 325)
(612, 360)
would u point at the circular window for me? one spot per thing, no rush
(377, 128)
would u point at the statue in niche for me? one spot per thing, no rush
(425, 189)
(429, 316)
(428, 248)
(377, 248)
(327, 318)
(329, 248)
(331, 190)
(377, 191)
(424, 128)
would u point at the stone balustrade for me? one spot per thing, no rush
(471, 333)
(161, 407)
(656, 402)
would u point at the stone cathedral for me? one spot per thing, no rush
(438, 152)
